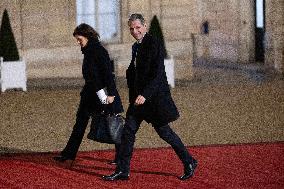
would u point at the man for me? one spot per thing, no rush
(150, 100)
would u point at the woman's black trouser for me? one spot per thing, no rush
(82, 119)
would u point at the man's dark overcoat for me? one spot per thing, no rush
(146, 76)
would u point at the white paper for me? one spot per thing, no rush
(102, 96)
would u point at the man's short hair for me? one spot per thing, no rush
(136, 16)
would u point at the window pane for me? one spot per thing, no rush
(86, 12)
(86, 7)
(108, 26)
(89, 19)
(102, 15)
(108, 18)
(259, 14)
(107, 6)
(79, 6)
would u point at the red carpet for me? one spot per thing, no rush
(227, 166)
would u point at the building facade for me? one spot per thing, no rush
(210, 29)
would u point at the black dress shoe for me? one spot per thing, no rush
(116, 176)
(189, 170)
(62, 158)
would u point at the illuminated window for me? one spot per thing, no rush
(259, 14)
(102, 15)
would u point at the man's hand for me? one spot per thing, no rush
(140, 100)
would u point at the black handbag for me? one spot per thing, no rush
(106, 128)
(115, 125)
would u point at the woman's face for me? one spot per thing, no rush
(81, 40)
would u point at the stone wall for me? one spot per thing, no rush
(43, 31)
(231, 30)
(274, 43)
(177, 29)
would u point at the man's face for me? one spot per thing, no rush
(137, 30)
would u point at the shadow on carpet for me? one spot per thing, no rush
(224, 166)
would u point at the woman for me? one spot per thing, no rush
(97, 74)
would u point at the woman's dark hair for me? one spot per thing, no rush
(86, 31)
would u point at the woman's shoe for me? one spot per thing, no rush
(189, 170)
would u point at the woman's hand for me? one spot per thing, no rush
(110, 99)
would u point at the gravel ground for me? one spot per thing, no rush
(220, 105)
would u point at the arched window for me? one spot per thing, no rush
(103, 15)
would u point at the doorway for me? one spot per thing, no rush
(259, 30)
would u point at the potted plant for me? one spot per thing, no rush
(13, 70)
(155, 30)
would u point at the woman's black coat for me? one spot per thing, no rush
(97, 74)
(148, 78)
